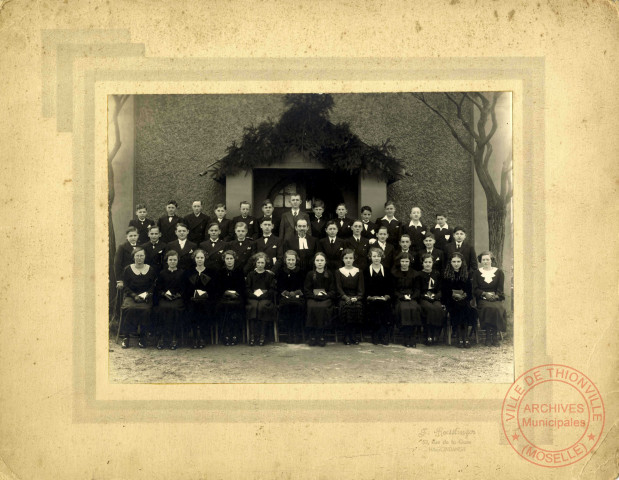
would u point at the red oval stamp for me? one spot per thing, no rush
(553, 415)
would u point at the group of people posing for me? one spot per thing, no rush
(307, 272)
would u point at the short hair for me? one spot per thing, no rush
(140, 206)
(486, 252)
(292, 252)
(341, 204)
(378, 250)
(136, 250)
(213, 224)
(241, 224)
(232, 253)
(180, 224)
(459, 228)
(331, 222)
(198, 201)
(300, 219)
(295, 195)
(389, 202)
(440, 215)
(348, 251)
(244, 202)
(258, 255)
(267, 202)
(366, 208)
(414, 207)
(357, 220)
(402, 255)
(429, 235)
(382, 227)
(153, 227)
(220, 205)
(427, 255)
(318, 203)
(171, 253)
(266, 220)
(131, 229)
(405, 235)
(196, 251)
(172, 202)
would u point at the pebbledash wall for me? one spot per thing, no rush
(178, 136)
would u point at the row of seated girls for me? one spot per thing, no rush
(374, 277)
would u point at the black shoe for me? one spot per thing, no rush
(347, 341)
(461, 344)
(384, 341)
(160, 343)
(125, 343)
(142, 342)
(374, 340)
(195, 343)
(173, 345)
(429, 341)
(312, 342)
(322, 342)
(467, 344)
(227, 341)
(261, 341)
(234, 341)
(252, 341)
(355, 341)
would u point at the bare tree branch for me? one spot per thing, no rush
(487, 155)
(468, 148)
(477, 104)
(466, 125)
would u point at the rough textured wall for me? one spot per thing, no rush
(177, 136)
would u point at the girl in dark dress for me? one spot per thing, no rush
(261, 290)
(202, 290)
(429, 285)
(138, 287)
(171, 289)
(457, 295)
(319, 289)
(379, 292)
(350, 289)
(488, 284)
(407, 310)
(290, 294)
(231, 307)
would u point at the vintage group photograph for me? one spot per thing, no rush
(311, 238)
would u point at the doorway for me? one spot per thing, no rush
(312, 184)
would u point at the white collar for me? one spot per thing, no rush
(413, 224)
(182, 242)
(437, 226)
(385, 218)
(488, 275)
(349, 273)
(372, 272)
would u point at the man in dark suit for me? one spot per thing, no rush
(124, 255)
(196, 222)
(382, 234)
(462, 246)
(141, 223)
(344, 224)
(303, 244)
(287, 225)
(442, 233)
(223, 222)
(437, 254)
(182, 246)
(247, 219)
(167, 223)
(243, 246)
(318, 220)
(154, 248)
(369, 227)
(332, 246)
(270, 244)
(214, 247)
(360, 245)
(267, 214)
(405, 246)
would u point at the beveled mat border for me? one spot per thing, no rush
(530, 70)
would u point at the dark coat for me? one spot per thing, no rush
(197, 226)
(167, 228)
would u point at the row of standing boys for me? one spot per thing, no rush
(367, 274)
